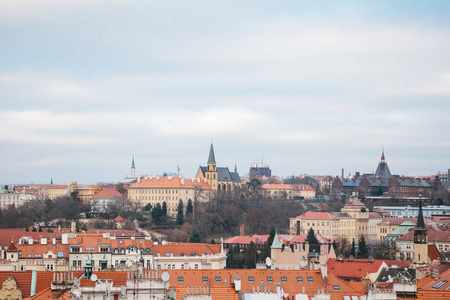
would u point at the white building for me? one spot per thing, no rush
(413, 212)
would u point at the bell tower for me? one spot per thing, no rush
(420, 240)
(211, 170)
(133, 169)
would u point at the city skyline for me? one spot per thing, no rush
(311, 87)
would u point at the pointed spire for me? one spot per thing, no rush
(132, 163)
(276, 242)
(211, 158)
(382, 156)
(51, 181)
(420, 221)
(235, 168)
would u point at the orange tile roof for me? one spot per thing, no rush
(89, 240)
(186, 249)
(247, 239)
(115, 232)
(54, 186)
(123, 243)
(303, 187)
(17, 234)
(170, 182)
(119, 219)
(48, 294)
(286, 278)
(356, 269)
(317, 215)
(108, 193)
(23, 279)
(430, 284)
(119, 278)
(30, 251)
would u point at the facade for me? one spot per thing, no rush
(54, 190)
(193, 256)
(218, 178)
(107, 198)
(86, 191)
(10, 197)
(413, 212)
(288, 191)
(351, 223)
(171, 190)
(259, 170)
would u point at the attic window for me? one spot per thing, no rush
(218, 278)
(269, 278)
(140, 242)
(310, 279)
(120, 242)
(204, 278)
(251, 278)
(439, 284)
(299, 279)
(180, 278)
(336, 287)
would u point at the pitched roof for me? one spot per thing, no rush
(124, 243)
(292, 281)
(353, 269)
(170, 182)
(317, 215)
(108, 193)
(211, 158)
(23, 280)
(185, 249)
(38, 250)
(17, 234)
(433, 235)
(275, 186)
(443, 278)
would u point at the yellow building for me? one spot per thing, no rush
(171, 190)
(54, 190)
(86, 191)
(218, 178)
(351, 223)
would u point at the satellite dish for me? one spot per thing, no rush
(165, 276)
(94, 277)
(268, 261)
(128, 263)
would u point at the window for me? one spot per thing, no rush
(336, 287)
(310, 279)
(75, 249)
(204, 279)
(180, 278)
(251, 278)
(283, 279)
(269, 278)
(299, 279)
(90, 249)
(439, 284)
(196, 266)
(218, 278)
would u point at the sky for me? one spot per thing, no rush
(304, 86)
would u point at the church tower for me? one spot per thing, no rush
(420, 241)
(211, 170)
(133, 169)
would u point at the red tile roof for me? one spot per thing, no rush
(30, 251)
(119, 219)
(170, 182)
(445, 276)
(138, 243)
(23, 279)
(108, 193)
(186, 249)
(433, 235)
(356, 269)
(17, 234)
(253, 278)
(274, 186)
(247, 239)
(89, 240)
(317, 215)
(119, 278)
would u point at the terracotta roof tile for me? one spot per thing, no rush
(23, 279)
(108, 193)
(355, 269)
(317, 215)
(177, 249)
(170, 182)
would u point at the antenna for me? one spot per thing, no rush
(165, 276)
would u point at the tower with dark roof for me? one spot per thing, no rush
(133, 169)
(383, 171)
(420, 240)
(211, 169)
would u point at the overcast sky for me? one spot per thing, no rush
(309, 86)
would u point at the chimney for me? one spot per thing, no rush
(73, 226)
(342, 176)
(241, 229)
(237, 283)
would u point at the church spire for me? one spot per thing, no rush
(132, 163)
(420, 221)
(382, 156)
(133, 169)
(51, 181)
(235, 168)
(211, 158)
(276, 244)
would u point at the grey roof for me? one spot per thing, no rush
(414, 183)
(351, 183)
(223, 174)
(235, 177)
(420, 221)
(388, 273)
(211, 158)
(383, 171)
(401, 230)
